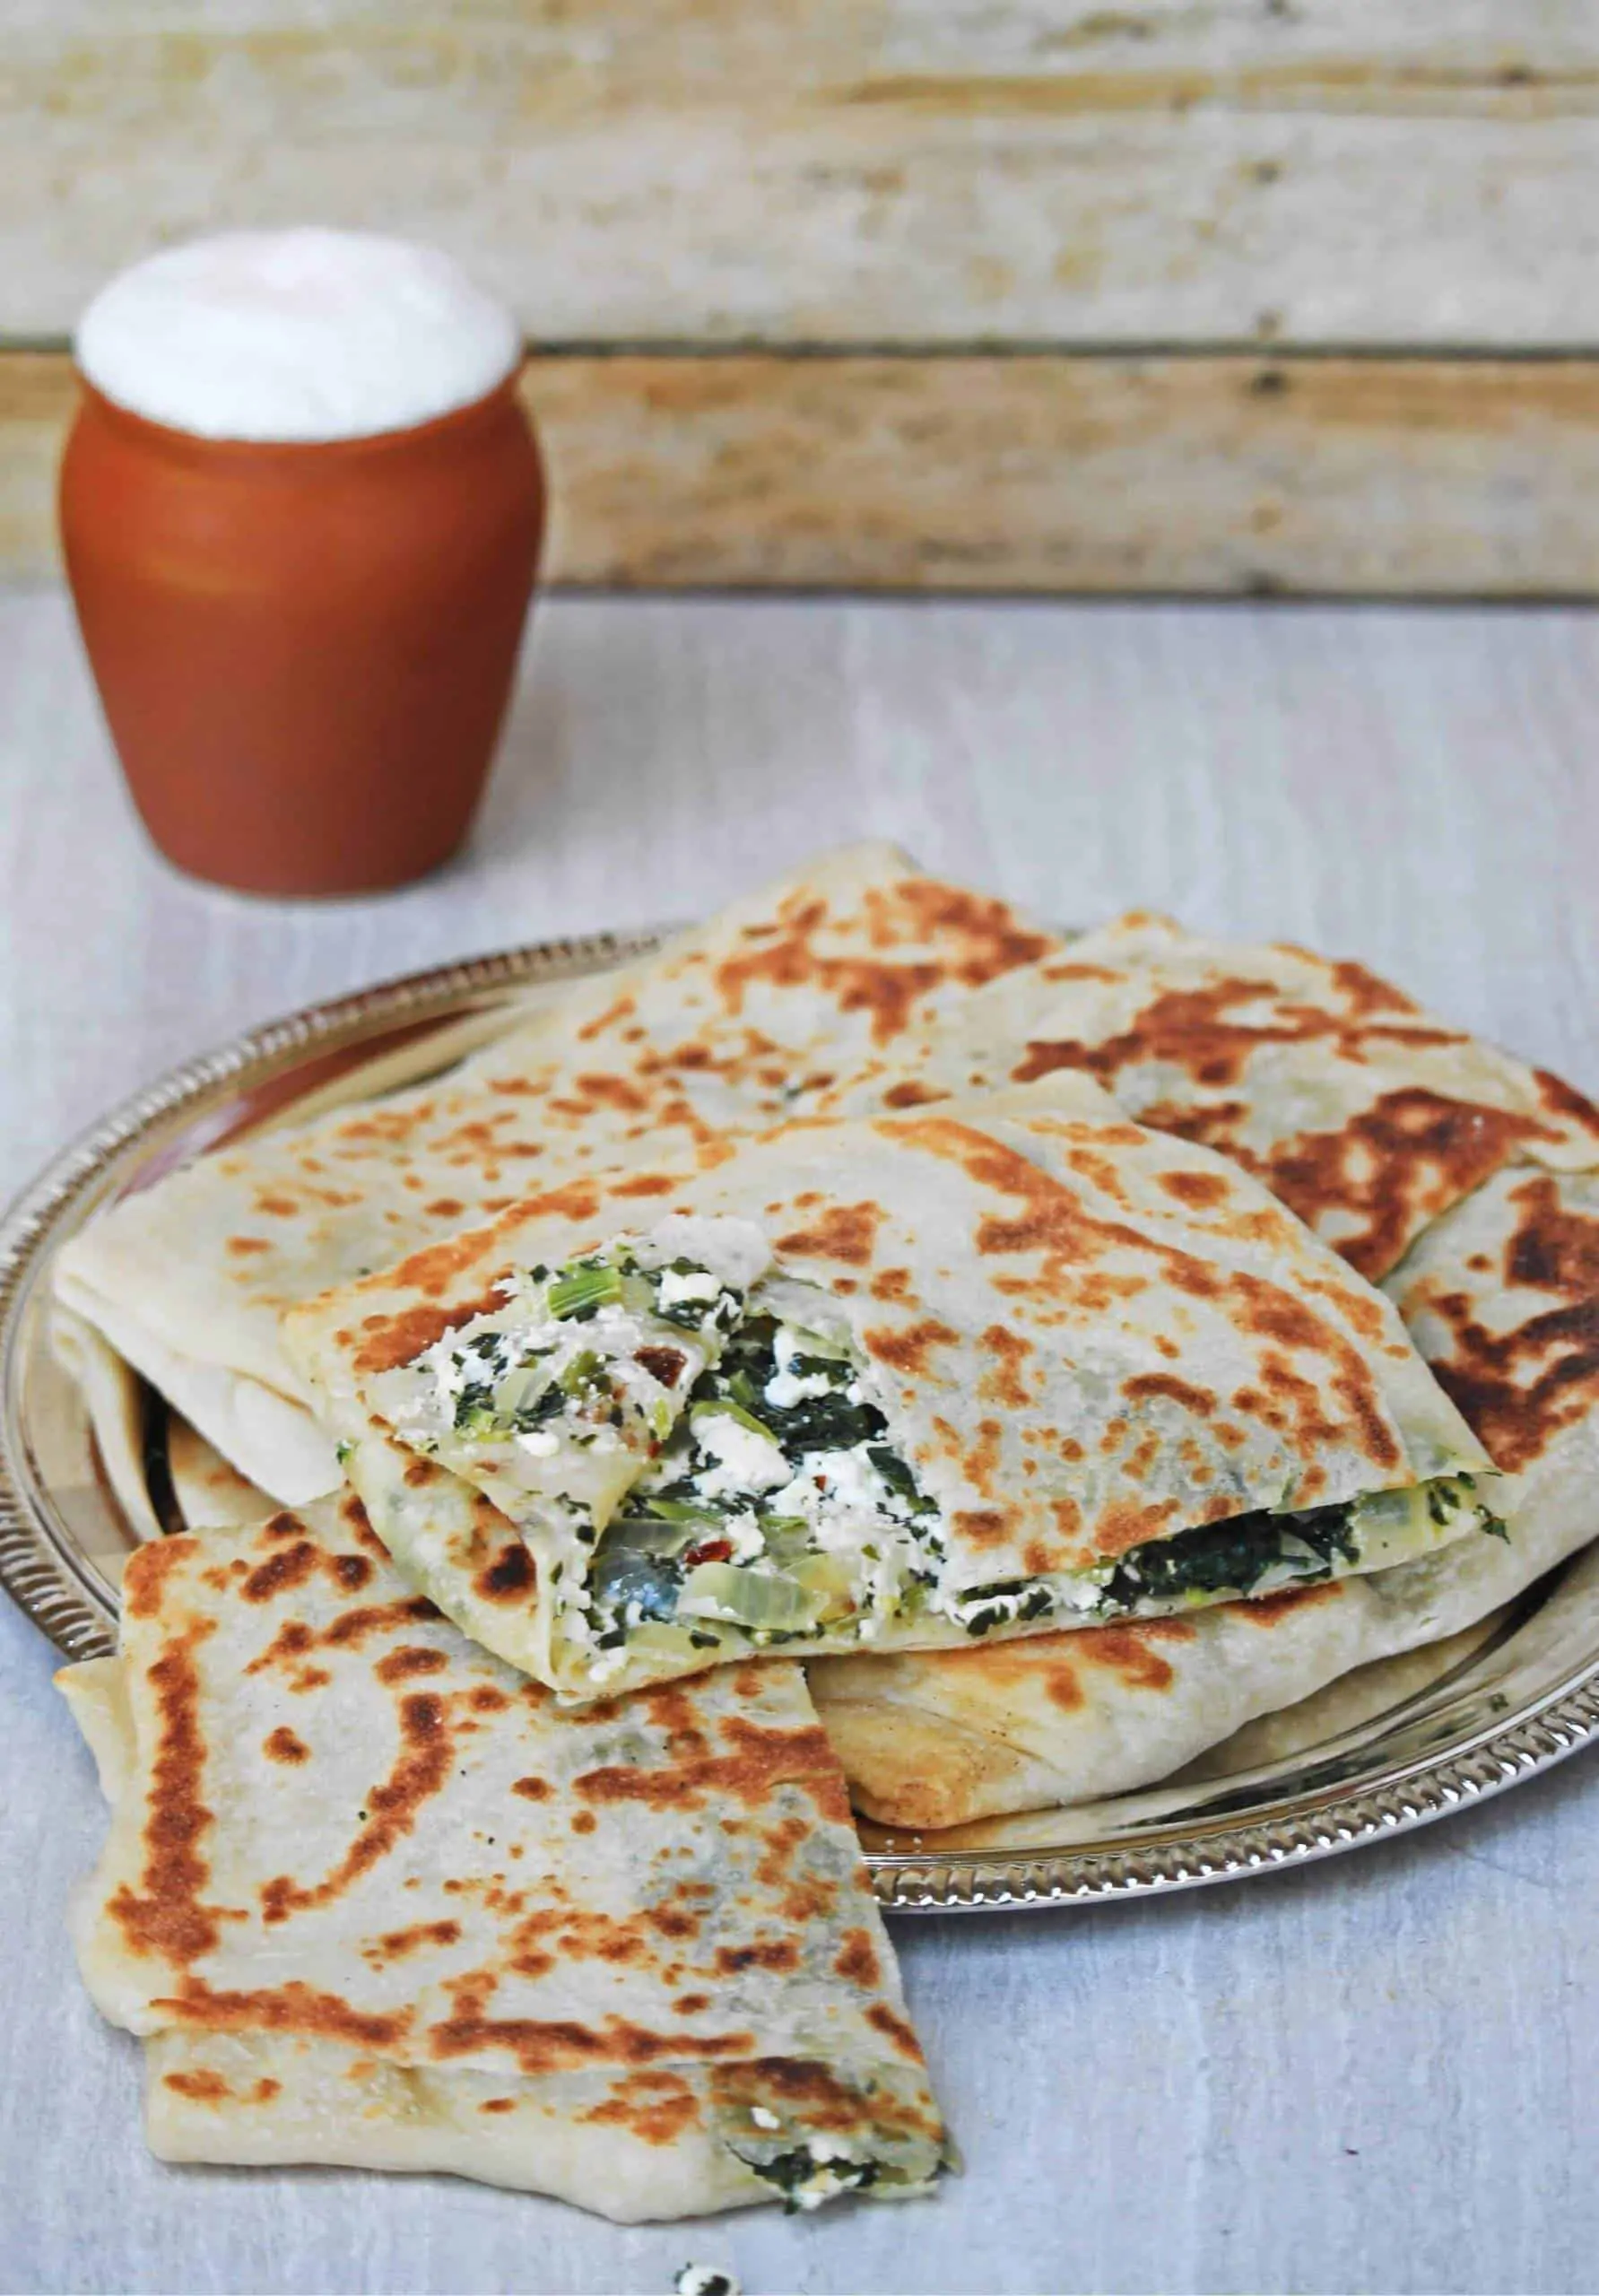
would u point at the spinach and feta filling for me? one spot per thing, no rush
(818, 2170)
(877, 2137)
(558, 1394)
(779, 1510)
(703, 1440)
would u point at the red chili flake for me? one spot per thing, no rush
(710, 1551)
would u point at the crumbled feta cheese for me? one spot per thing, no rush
(787, 1389)
(539, 1444)
(762, 2118)
(744, 1534)
(745, 1461)
(697, 1284)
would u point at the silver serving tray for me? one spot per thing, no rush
(1389, 1748)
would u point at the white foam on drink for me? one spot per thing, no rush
(302, 334)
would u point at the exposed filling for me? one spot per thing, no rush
(561, 1392)
(773, 1506)
(809, 2174)
(777, 1506)
(779, 1510)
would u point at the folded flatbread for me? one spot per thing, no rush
(796, 996)
(114, 1401)
(370, 1898)
(207, 1491)
(1366, 1115)
(1503, 1297)
(900, 1383)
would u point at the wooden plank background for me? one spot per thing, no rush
(1176, 294)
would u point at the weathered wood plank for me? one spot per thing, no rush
(1049, 473)
(859, 171)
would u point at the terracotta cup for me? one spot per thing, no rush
(304, 651)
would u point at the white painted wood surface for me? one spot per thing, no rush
(1417, 171)
(1377, 2073)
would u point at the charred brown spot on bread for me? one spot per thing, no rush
(1566, 1103)
(988, 938)
(206, 2087)
(1199, 1191)
(983, 1526)
(352, 1629)
(166, 1918)
(201, 2088)
(614, 1015)
(419, 1772)
(244, 1247)
(856, 1960)
(281, 1746)
(656, 2107)
(601, 1088)
(1391, 1169)
(412, 1658)
(1124, 1524)
(1003, 1381)
(419, 1472)
(1132, 1651)
(143, 1582)
(844, 1231)
(288, 1567)
(889, 992)
(510, 1576)
(892, 1284)
(1143, 1384)
(908, 1350)
(780, 1953)
(531, 1789)
(756, 1760)
(1199, 1029)
(895, 2030)
(980, 1464)
(669, 1708)
(1519, 1389)
(294, 2007)
(398, 1944)
(562, 2044)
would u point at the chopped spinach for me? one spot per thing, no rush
(1232, 1557)
(792, 2171)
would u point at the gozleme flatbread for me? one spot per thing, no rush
(370, 1898)
(1367, 1693)
(208, 1491)
(1503, 1297)
(793, 996)
(115, 1405)
(900, 1383)
(1365, 1114)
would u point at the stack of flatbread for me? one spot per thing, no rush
(1070, 1354)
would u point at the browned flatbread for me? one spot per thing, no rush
(1501, 1296)
(370, 1898)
